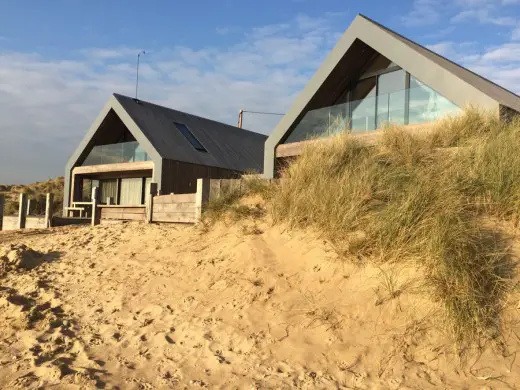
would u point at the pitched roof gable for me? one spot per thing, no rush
(452, 81)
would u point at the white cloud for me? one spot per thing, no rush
(515, 34)
(47, 104)
(484, 16)
(508, 52)
(97, 53)
(446, 48)
(430, 12)
(424, 12)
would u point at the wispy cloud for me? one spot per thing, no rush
(423, 12)
(47, 105)
(484, 16)
(97, 53)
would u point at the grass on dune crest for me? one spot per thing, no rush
(417, 197)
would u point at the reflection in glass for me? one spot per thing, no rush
(116, 153)
(426, 104)
(391, 98)
(364, 105)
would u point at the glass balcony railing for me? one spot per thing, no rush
(408, 106)
(116, 153)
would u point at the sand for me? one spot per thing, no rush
(246, 306)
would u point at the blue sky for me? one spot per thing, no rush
(60, 60)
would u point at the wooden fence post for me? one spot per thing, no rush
(149, 205)
(201, 197)
(49, 209)
(95, 201)
(2, 202)
(29, 202)
(22, 211)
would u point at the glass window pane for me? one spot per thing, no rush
(116, 153)
(391, 98)
(190, 137)
(86, 190)
(363, 105)
(108, 189)
(426, 104)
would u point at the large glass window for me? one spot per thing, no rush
(108, 189)
(86, 189)
(391, 98)
(116, 153)
(374, 102)
(363, 106)
(426, 104)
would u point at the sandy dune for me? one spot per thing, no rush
(136, 306)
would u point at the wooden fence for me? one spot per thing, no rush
(24, 220)
(126, 213)
(179, 208)
(188, 208)
(173, 208)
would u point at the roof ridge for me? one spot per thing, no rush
(238, 129)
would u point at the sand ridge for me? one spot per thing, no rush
(137, 306)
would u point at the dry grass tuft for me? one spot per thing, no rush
(228, 206)
(405, 200)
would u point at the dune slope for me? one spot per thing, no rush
(139, 306)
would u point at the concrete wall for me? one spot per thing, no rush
(11, 223)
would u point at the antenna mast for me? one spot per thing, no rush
(137, 73)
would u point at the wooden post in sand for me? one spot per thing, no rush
(2, 202)
(29, 202)
(49, 209)
(201, 197)
(95, 202)
(22, 211)
(149, 202)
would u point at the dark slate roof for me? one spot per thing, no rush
(228, 146)
(493, 90)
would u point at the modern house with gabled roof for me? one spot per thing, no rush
(375, 76)
(133, 143)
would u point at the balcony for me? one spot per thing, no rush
(407, 106)
(124, 152)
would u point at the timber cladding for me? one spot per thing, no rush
(181, 177)
(180, 208)
(125, 213)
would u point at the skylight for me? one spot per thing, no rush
(190, 137)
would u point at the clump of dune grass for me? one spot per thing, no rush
(227, 203)
(407, 198)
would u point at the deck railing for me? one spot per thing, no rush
(407, 106)
(116, 153)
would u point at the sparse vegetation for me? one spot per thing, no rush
(423, 198)
(36, 192)
(228, 203)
